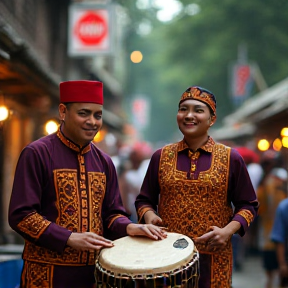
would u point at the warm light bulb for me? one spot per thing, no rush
(284, 132)
(263, 145)
(51, 127)
(4, 113)
(285, 141)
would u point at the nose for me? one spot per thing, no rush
(92, 121)
(189, 114)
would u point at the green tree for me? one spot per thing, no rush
(199, 49)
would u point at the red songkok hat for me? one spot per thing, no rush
(81, 91)
(200, 94)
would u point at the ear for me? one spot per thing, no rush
(62, 111)
(213, 119)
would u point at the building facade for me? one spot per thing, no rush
(33, 61)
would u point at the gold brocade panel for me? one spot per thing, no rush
(191, 206)
(78, 212)
(37, 275)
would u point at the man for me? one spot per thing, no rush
(271, 192)
(197, 179)
(280, 236)
(65, 200)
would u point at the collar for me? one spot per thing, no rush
(208, 146)
(70, 144)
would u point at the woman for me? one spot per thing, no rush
(197, 180)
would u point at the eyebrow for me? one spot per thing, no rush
(90, 111)
(196, 106)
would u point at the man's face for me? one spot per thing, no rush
(81, 122)
(194, 118)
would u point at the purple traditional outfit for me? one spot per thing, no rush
(59, 189)
(196, 191)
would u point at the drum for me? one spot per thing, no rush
(143, 262)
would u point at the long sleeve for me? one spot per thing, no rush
(150, 189)
(241, 192)
(115, 218)
(25, 210)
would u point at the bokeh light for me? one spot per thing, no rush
(51, 127)
(4, 112)
(284, 132)
(136, 56)
(263, 145)
(277, 144)
(285, 141)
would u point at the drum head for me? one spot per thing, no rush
(143, 256)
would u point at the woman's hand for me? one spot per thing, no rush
(151, 218)
(214, 240)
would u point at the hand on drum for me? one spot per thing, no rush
(149, 230)
(88, 241)
(214, 240)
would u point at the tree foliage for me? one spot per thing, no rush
(199, 50)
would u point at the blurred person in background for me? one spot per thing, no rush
(65, 200)
(130, 180)
(190, 185)
(279, 236)
(248, 243)
(271, 192)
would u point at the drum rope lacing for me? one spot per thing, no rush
(168, 274)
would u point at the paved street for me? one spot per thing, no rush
(252, 274)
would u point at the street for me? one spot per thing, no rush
(252, 274)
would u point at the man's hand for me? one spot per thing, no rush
(88, 241)
(151, 218)
(149, 230)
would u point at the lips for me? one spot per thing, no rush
(190, 123)
(90, 130)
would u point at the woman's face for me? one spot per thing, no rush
(194, 118)
(81, 121)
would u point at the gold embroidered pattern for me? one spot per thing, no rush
(71, 145)
(194, 157)
(247, 215)
(37, 275)
(97, 186)
(76, 213)
(184, 203)
(33, 225)
(208, 146)
(68, 199)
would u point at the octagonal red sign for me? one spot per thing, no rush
(91, 28)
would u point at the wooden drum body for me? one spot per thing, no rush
(143, 262)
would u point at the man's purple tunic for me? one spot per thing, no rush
(59, 189)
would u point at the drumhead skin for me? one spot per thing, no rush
(133, 256)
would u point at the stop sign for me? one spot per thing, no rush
(91, 28)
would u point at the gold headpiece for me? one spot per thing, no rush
(201, 94)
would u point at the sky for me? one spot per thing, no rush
(168, 9)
